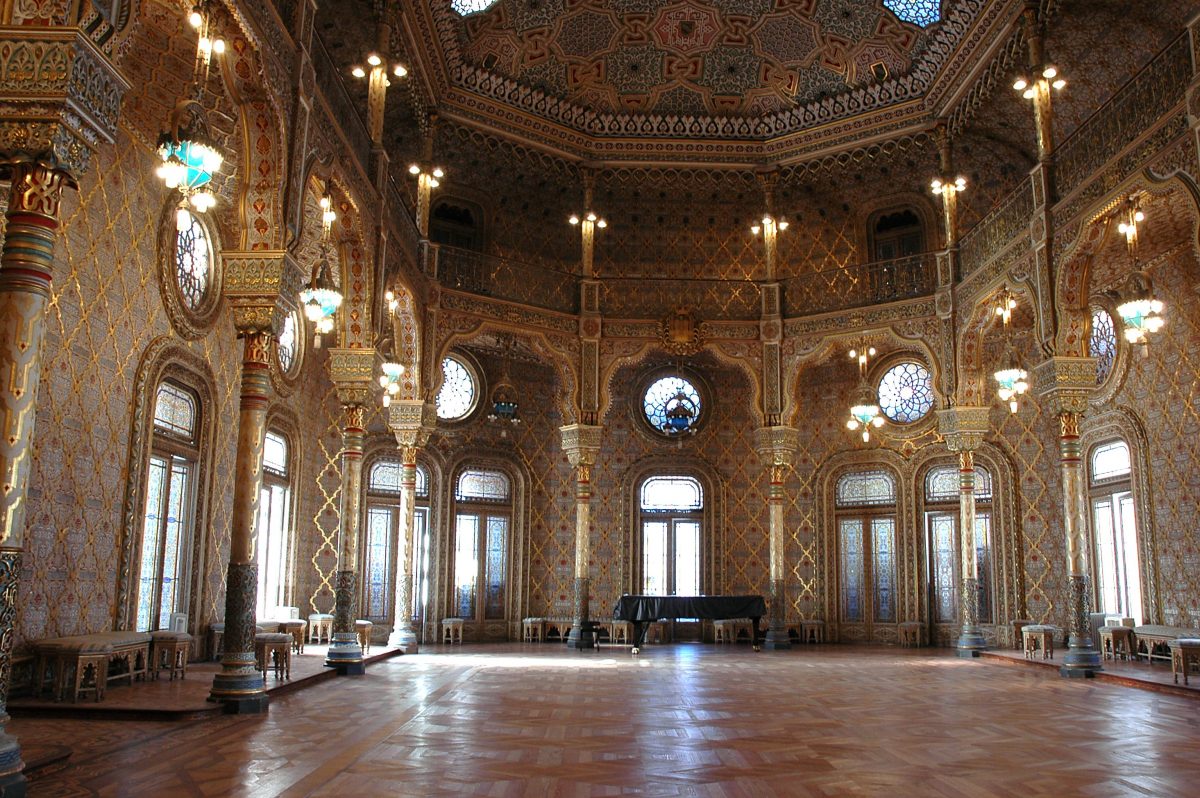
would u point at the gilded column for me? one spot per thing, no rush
(581, 442)
(352, 372)
(777, 447)
(261, 287)
(412, 421)
(61, 103)
(963, 429)
(1067, 382)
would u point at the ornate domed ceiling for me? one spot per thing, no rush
(743, 81)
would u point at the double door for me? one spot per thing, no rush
(671, 564)
(867, 584)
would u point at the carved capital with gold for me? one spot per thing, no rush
(60, 98)
(581, 443)
(262, 287)
(1066, 383)
(352, 371)
(776, 446)
(412, 421)
(963, 428)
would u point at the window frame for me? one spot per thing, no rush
(867, 513)
(272, 478)
(393, 502)
(638, 397)
(190, 323)
(1112, 488)
(476, 374)
(671, 517)
(485, 510)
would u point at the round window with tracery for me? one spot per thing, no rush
(193, 260)
(287, 347)
(1102, 343)
(906, 392)
(456, 399)
(672, 405)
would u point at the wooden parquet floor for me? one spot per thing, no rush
(684, 720)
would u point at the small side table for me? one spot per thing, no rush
(320, 627)
(812, 631)
(1185, 652)
(452, 630)
(169, 652)
(1117, 642)
(1037, 637)
(911, 634)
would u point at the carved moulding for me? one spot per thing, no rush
(262, 287)
(1066, 382)
(60, 98)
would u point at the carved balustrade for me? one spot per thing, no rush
(860, 285)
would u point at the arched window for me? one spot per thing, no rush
(384, 525)
(456, 224)
(943, 543)
(459, 392)
(672, 515)
(274, 526)
(164, 558)
(291, 339)
(865, 502)
(1116, 564)
(896, 234)
(482, 522)
(1102, 343)
(906, 392)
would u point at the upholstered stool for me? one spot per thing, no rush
(1038, 636)
(363, 628)
(812, 631)
(169, 652)
(1117, 642)
(1018, 625)
(911, 634)
(295, 628)
(320, 627)
(1185, 652)
(88, 658)
(274, 650)
(452, 629)
(532, 630)
(622, 631)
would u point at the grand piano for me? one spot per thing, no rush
(641, 611)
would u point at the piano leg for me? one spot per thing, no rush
(754, 640)
(639, 635)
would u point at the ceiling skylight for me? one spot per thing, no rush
(918, 12)
(465, 7)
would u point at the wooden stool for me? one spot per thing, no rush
(363, 629)
(812, 631)
(621, 632)
(723, 631)
(274, 650)
(294, 627)
(1185, 652)
(169, 652)
(911, 634)
(1117, 642)
(320, 627)
(452, 629)
(1038, 636)
(532, 629)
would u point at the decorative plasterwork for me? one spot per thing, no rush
(581, 443)
(60, 98)
(680, 333)
(963, 428)
(412, 421)
(352, 372)
(262, 287)
(650, 125)
(776, 445)
(1066, 382)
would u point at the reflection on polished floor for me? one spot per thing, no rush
(688, 720)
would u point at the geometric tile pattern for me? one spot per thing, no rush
(678, 720)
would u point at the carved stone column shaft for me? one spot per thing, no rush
(581, 443)
(345, 653)
(776, 446)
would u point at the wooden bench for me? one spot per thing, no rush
(1185, 652)
(911, 634)
(94, 659)
(1154, 638)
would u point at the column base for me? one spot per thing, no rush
(12, 783)
(244, 705)
(403, 639)
(1080, 662)
(581, 637)
(239, 687)
(970, 643)
(777, 640)
(345, 655)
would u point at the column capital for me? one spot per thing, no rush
(963, 428)
(1066, 383)
(776, 445)
(581, 443)
(262, 286)
(62, 98)
(412, 421)
(352, 372)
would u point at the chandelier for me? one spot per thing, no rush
(769, 226)
(1140, 311)
(504, 402)
(1045, 78)
(588, 218)
(389, 380)
(947, 188)
(427, 177)
(1012, 381)
(321, 298)
(865, 413)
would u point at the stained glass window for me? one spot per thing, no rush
(163, 554)
(193, 262)
(482, 486)
(866, 488)
(1110, 460)
(672, 493)
(943, 560)
(1102, 343)
(385, 476)
(287, 343)
(918, 12)
(941, 484)
(275, 453)
(378, 560)
(175, 411)
(906, 392)
(663, 394)
(465, 7)
(456, 399)
(883, 566)
(852, 571)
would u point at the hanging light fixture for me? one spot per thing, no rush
(428, 177)
(1012, 381)
(864, 414)
(389, 380)
(321, 298)
(1140, 311)
(680, 413)
(504, 402)
(861, 353)
(190, 158)
(374, 62)
(201, 20)
(940, 188)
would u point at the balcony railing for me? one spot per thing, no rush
(345, 110)
(507, 279)
(1006, 224)
(860, 285)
